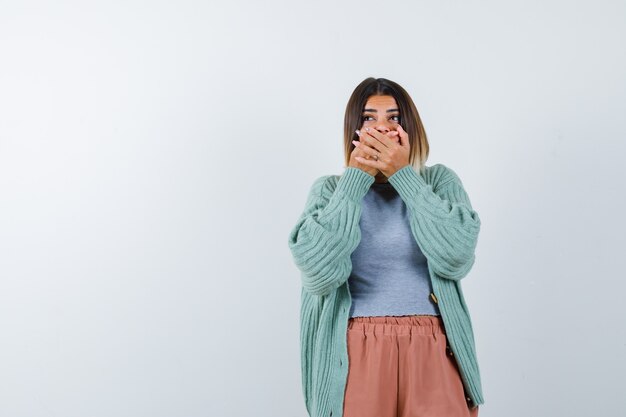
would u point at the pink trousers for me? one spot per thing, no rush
(401, 366)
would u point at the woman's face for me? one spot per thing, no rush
(381, 113)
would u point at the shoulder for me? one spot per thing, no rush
(440, 175)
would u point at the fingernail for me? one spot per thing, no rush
(357, 132)
(355, 142)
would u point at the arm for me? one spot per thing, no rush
(442, 221)
(328, 231)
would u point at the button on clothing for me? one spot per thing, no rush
(432, 295)
(398, 367)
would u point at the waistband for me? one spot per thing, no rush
(421, 324)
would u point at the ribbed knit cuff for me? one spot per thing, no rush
(354, 182)
(407, 181)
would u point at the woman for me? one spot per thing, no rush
(382, 249)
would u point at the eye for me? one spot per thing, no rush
(367, 117)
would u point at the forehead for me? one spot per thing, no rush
(380, 102)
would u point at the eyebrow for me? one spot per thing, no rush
(376, 111)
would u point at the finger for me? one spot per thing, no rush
(388, 134)
(368, 162)
(361, 140)
(404, 137)
(359, 152)
(383, 139)
(368, 139)
(358, 148)
(364, 148)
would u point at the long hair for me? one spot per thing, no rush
(409, 118)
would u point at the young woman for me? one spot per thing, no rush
(382, 249)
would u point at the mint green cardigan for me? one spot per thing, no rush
(446, 229)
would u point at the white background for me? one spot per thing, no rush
(155, 155)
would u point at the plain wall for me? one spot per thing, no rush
(155, 155)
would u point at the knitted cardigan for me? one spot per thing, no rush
(446, 229)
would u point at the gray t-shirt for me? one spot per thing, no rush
(389, 272)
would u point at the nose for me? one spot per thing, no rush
(383, 127)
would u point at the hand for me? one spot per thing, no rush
(361, 153)
(356, 164)
(392, 155)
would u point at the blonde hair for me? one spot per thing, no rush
(409, 118)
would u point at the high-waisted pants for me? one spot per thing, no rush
(402, 366)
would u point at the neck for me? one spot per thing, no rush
(380, 177)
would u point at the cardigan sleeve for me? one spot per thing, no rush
(442, 221)
(327, 232)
